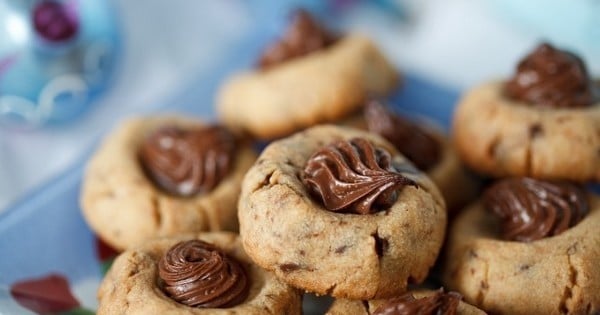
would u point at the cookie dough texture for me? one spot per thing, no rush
(344, 255)
(323, 86)
(124, 207)
(354, 307)
(555, 275)
(132, 284)
(455, 182)
(501, 137)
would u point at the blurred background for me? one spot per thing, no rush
(126, 58)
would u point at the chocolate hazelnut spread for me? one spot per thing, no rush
(414, 142)
(549, 77)
(187, 161)
(197, 274)
(439, 303)
(531, 209)
(303, 36)
(354, 176)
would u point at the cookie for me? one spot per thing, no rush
(537, 252)
(317, 84)
(426, 146)
(206, 273)
(163, 176)
(339, 211)
(544, 122)
(412, 302)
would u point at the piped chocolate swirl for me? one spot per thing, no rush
(303, 36)
(549, 77)
(414, 142)
(186, 162)
(197, 274)
(532, 209)
(439, 303)
(354, 176)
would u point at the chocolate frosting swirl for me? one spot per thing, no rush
(197, 274)
(354, 176)
(187, 161)
(550, 77)
(532, 209)
(412, 141)
(303, 36)
(438, 304)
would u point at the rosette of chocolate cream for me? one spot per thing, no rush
(529, 246)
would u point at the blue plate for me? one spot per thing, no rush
(49, 258)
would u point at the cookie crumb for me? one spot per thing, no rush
(536, 131)
(289, 267)
(381, 244)
(341, 249)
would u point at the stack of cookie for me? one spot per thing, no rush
(312, 76)
(530, 244)
(339, 211)
(162, 189)
(341, 203)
